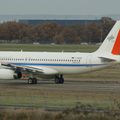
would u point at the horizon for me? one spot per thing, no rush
(14, 17)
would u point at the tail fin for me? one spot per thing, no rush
(111, 44)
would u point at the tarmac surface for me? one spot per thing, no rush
(17, 93)
(74, 85)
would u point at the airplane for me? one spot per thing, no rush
(54, 65)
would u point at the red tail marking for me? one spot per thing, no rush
(116, 48)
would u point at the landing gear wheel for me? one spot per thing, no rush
(59, 79)
(32, 81)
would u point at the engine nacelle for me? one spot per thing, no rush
(9, 74)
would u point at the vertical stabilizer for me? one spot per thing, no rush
(111, 44)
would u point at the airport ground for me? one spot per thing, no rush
(98, 91)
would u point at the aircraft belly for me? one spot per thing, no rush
(71, 70)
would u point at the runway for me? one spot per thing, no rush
(47, 94)
(72, 84)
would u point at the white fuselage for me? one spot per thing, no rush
(56, 64)
(63, 62)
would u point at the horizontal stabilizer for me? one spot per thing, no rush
(104, 59)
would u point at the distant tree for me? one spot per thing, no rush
(106, 25)
(70, 36)
(52, 32)
(13, 31)
(59, 39)
(46, 32)
(93, 33)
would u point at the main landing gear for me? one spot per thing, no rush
(59, 79)
(32, 81)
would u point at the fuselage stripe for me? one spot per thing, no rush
(60, 65)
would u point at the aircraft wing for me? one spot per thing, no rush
(32, 69)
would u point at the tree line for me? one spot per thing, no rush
(54, 33)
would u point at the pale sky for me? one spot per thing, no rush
(59, 7)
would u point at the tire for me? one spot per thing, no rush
(30, 81)
(61, 81)
(56, 80)
(34, 81)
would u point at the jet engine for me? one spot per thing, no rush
(9, 74)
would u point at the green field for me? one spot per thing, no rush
(50, 48)
(99, 89)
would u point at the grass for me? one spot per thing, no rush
(50, 48)
(58, 96)
(69, 114)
